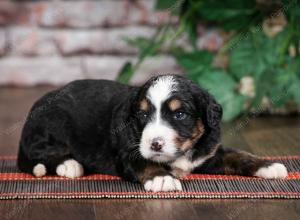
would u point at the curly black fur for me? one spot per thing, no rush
(97, 123)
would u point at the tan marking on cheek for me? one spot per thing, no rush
(174, 104)
(199, 130)
(144, 105)
(187, 143)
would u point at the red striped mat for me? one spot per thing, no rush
(17, 185)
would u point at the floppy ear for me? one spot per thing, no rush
(208, 106)
(132, 101)
(214, 113)
(211, 113)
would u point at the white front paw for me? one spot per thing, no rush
(163, 183)
(274, 171)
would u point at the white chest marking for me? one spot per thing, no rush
(185, 164)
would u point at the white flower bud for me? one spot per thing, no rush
(247, 86)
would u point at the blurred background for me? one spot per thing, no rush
(246, 53)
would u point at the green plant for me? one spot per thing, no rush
(263, 58)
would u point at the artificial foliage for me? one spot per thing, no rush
(261, 50)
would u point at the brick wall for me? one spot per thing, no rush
(56, 41)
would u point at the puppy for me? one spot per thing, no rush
(154, 134)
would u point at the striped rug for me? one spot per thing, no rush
(17, 185)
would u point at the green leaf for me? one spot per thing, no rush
(263, 84)
(231, 14)
(292, 10)
(191, 29)
(222, 86)
(227, 9)
(164, 4)
(233, 105)
(138, 42)
(195, 63)
(192, 60)
(295, 90)
(279, 92)
(217, 82)
(245, 59)
(125, 73)
(279, 95)
(255, 53)
(171, 5)
(145, 46)
(294, 72)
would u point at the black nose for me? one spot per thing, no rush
(157, 144)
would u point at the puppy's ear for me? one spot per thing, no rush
(214, 113)
(208, 106)
(133, 100)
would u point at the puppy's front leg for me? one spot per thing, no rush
(156, 178)
(231, 162)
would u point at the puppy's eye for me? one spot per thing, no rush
(179, 115)
(142, 114)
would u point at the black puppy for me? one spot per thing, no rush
(153, 134)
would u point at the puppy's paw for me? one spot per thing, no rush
(163, 184)
(274, 171)
(70, 168)
(39, 170)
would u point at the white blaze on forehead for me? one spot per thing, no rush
(161, 90)
(158, 93)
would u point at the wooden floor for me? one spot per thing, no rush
(263, 136)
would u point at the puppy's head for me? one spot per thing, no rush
(173, 115)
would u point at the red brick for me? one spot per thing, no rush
(32, 41)
(58, 71)
(3, 44)
(104, 67)
(8, 11)
(154, 66)
(86, 13)
(108, 67)
(103, 41)
(33, 71)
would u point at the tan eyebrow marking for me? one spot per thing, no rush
(144, 105)
(174, 104)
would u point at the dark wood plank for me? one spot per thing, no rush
(47, 209)
(274, 136)
(150, 209)
(247, 209)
